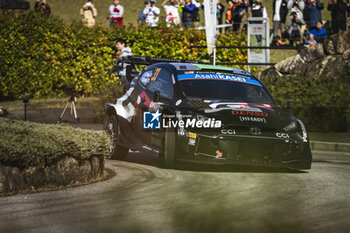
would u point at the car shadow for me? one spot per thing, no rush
(150, 159)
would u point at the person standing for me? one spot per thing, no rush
(338, 13)
(116, 12)
(294, 24)
(89, 14)
(123, 51)
(152, 14)
(301, 4)
(280, 11)
(245, 11)
(258, 9)
(219, 12)
(172, 13)
(188, 13)
(312, 11)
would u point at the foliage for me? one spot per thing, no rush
(24, 144)
(40, 55)
(323, 105)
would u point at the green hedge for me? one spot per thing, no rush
(24, 144)
(39, 55)
(323, 105)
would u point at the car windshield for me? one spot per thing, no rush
(223, 87)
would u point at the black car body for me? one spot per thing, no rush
(245, 124)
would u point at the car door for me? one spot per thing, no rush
(160, 85)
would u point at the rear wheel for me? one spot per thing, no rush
(117, 151)
(169, 148)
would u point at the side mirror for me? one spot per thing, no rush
(156, 95)
(289, 104)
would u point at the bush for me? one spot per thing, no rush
(24, 144)
(323, 105)
(39, 55)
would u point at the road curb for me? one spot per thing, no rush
(330, 146)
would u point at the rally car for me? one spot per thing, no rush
(187, 111)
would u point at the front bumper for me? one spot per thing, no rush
(245, 150)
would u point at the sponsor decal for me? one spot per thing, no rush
(178, 102)
(210, 101)
(249, 113)
(218, 154)
(146, 100)
(252, 119)
(151, 120)
(223, 77)
(192, 135)
(191, 141)
(282, 135)
(155, 74)
(228, 131)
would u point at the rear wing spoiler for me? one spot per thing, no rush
(129, 63)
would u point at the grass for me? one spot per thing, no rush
(68, 10)
(51, 102)
(24, 144)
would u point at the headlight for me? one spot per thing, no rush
(297, 127)
(291, 127)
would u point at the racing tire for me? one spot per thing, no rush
(170, 148)
(117, 151)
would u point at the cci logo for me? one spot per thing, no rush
(151, 120)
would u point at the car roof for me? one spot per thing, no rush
(206, 67)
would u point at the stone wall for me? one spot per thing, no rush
(64, 172)
(330, 60)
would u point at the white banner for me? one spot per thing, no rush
(210, 8)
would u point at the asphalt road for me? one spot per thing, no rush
(144, 197)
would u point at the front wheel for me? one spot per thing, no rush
(169, 148)
(117, 151)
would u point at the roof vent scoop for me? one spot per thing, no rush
(183, 68)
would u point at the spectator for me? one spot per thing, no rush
(245, 11)
(229, 18)
(311, 41)
(258, 10)
(89, 14)
(152, 14)
(236, 16)
(196, 16)
(280, 11)
(142, 16)
(121, 47)
(172, 13)
(123, 51)
(294, 24)
(300, 3)
(188, 13)
(42, 7)
(338, 12)
(116, 12)
(220, 9)
(319, 32)
(312, 11)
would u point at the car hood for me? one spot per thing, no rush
(240, 113)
